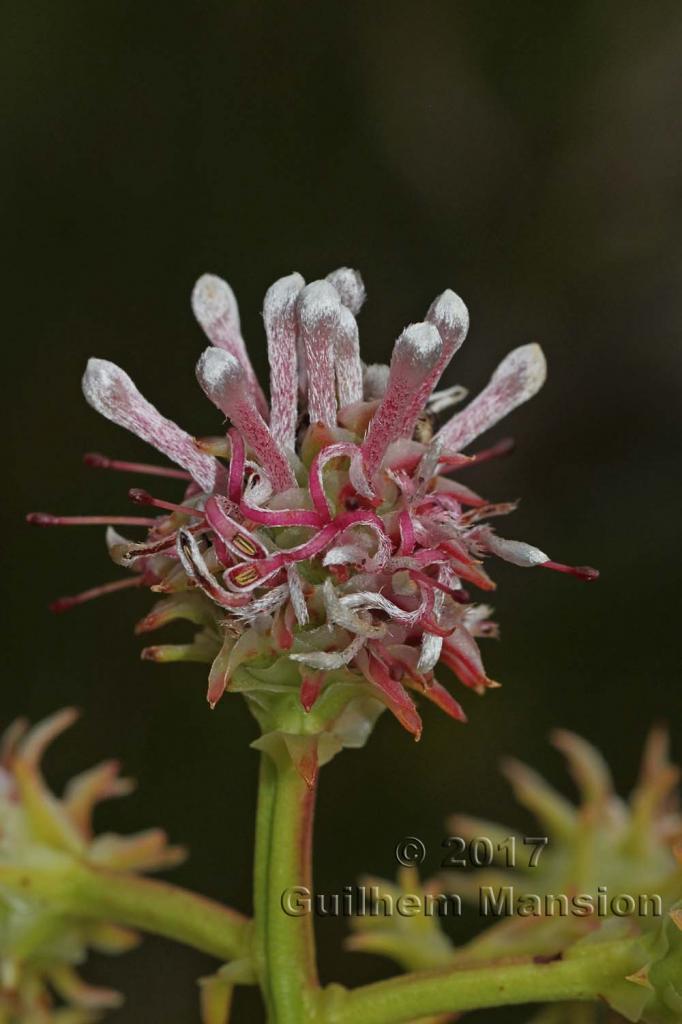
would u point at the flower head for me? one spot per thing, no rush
(45, 842)
(629, 845)
(329, 528)
(619, 859)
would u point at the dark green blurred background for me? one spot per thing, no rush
(528, 155)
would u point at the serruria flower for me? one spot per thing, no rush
(600, 848)
(627, 845)
(327, 533)
(42, 939)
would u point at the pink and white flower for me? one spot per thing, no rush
(328, 527)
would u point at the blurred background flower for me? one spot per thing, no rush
(621, 857)
(45, 842)
(524, 154)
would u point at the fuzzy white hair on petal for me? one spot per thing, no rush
(297, 596)
(279, 316)
(111, 392)
(369, 599)
(375, 381)
(340, 615)
(430, 652)
(330, 660)
(223, 380)
(515, 551)
(519, 376)
(319, 316)
(344, 554)
(415, 355)
(219, 373)
(350, 286)
(215, 307)
(432, 645)
(263, 605)
(347, 359)
(440, 400)
(318, 300)
(212, 301)
(417, 349)
(450, 315)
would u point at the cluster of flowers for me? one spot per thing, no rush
(603, 843)
(336, 536)
(42, 938)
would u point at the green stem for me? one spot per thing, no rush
(582, 976)
(162, 909)
(266, 795)
(284, 942)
